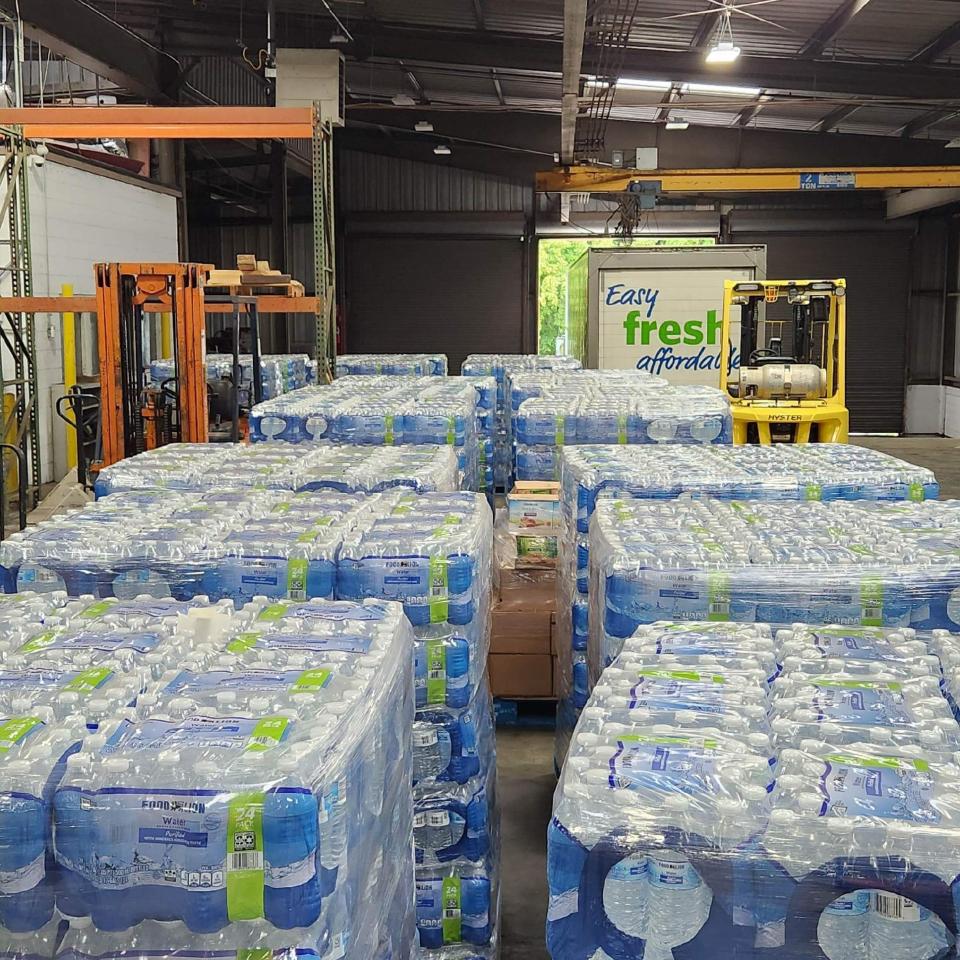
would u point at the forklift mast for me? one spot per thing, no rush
(135, 418)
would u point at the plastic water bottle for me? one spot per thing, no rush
(678, 905)
(900, 929)
(843, 930)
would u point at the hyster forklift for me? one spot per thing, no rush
(789, 387)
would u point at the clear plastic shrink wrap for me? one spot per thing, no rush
(501, 366)
(593, 474)
(556, 410)
(710, 809)
(278, 466)
(241, 784)
(377, 411)
(392, 364)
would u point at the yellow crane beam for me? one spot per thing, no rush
(590, 179)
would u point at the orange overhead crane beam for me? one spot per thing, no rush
(162, 123)
(266, 303)
(590, 179)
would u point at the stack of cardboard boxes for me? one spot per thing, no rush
(522, 656)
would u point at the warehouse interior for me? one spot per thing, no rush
(637, 319)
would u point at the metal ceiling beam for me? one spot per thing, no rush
(669, 98)
(498, 87)
(574, 28)
(832, 27)
(925, 121)
(478, 14)
(939, 45)
(705, 30)
(77, 31)
(747, 114)
(415, 83)
(833, 119)
(512, 52)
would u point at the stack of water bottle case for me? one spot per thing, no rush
(667, 478)
(380, 411)
(273, 553)
(742, 783)
(279, 372)
(192, 780)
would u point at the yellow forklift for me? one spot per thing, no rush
(789, 386)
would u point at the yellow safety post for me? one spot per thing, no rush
(69, 365)
(166, 336)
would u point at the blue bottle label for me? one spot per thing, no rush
(678, 690)
(861, 703)
(891, 788)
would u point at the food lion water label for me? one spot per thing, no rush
(298, 681)
(140, 642)
(669, 764)
(891, 788)
(677, 874)
(255, 640)
(861, 702)
(678, 690)
(334, 611)
(852, 644)
(220, 734)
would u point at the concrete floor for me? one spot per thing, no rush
(525, 759)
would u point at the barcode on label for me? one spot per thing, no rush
(437, 675)
(264, 741)
(890, 906)
(719, 608)
(250, 860)
(872, 612)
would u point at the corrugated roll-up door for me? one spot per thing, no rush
(877, 269)
(426, 294)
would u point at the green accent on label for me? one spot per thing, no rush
(860, 685)
(311, 680)
(860, 550)
(257, 954)
(14, 730)
(871, 602)
(244, 641)
(40, 642)
(388, 430)
(451, 893)
(681, 675)
(267, 733)
(718, 597)
(88, 680)
(621, 429)
(97, 609)
(451, 431)
(813, 491)
(245, 857)
(273, 612)
(677, 741)
(436, 672)
(439, 590)
(916, 493)
(559, 432)
(886, 763)
(297, 579)
(324, 521)
(281, 508)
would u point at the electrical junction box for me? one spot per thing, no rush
(308, 76)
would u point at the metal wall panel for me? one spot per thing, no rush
(928, 300)
(877, 268)
(371, 182)
(422, 294)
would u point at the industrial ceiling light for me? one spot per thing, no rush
(423, 126)
(724, 50)
(338, 38)
(676, 123)
(403, 100)
(442, 150)
(953, 144)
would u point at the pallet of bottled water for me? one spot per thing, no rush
(486, 388)
(213, 466)
(593, 474)
(392, 364)
(501, 367)
(279, 373)
(186, 779)
(615, 409)
(712, 807)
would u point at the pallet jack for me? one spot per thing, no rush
(793, 391)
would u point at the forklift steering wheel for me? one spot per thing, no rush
(762, 353)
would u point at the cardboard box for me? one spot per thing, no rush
(535, 550)
(520, 632)
(530, 588)
(534, 507)
(521, 675)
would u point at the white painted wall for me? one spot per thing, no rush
(933, 409)
(78, 218)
